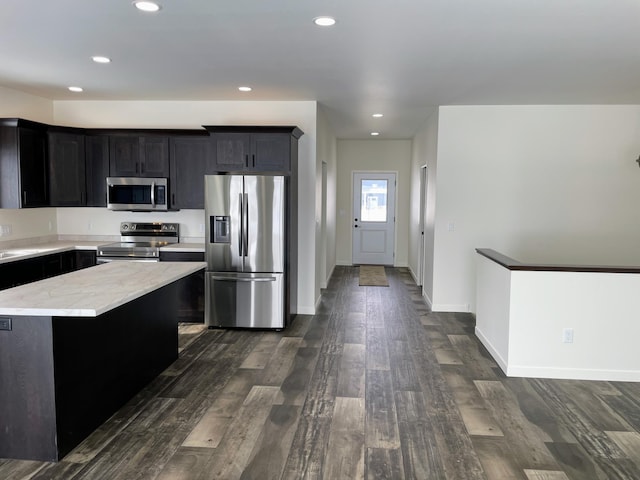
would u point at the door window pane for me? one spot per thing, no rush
(373, 200)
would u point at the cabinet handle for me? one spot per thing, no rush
(24, 198)
(141, 168)
(246, 160)
(173, 199)
(254, 160)
(136, 167)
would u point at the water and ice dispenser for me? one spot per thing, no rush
(220, 229)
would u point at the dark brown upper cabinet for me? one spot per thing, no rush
(97, 169)
(254, 149)
(67, 172)
(139, 156)
(23, 164)
(192, 157)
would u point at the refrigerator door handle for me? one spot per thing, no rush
(241, 229)
(242, 279)
(245, 217)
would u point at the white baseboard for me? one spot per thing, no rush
(413, 274)
(492, 350)
(326, 282)
(574, 373)
(427, 300)
(306, 311)
(450, 307)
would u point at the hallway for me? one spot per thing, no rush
(374, 386)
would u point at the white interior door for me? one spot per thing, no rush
(374, 199)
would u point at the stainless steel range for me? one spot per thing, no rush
(140, 242)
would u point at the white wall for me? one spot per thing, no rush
(16, 104)
(28, 223)
(372, 156)
(80, 222)
(326, 214)
(424, 152)
(539, 183)
(194, 114)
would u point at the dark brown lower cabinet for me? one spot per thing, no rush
(191, 295)
(20, 272)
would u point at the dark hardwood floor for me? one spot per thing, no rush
(374, 386)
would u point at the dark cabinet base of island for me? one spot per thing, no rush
(62, 377)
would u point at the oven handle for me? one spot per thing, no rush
(126, 259)
(243, 279)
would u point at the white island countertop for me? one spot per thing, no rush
(92, 291)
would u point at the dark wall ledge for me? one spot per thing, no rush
(512, 264)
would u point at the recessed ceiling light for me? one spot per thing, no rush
(76, 89)
(324, 21)
(375, 134)
(100, 59)
(377, 115)
(147, 6)
(244, 89)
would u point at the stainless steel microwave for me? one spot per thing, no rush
(137, 194)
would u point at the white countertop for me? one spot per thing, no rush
(183, 247)
(92, 291)
(12, 254)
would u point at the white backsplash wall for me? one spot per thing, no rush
(103, 222)
(21, 223)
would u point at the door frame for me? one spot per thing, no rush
(395, 208)
(424, 172)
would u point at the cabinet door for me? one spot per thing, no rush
(270, 152)
(191, 159)
(84, 259)
(33, 167)
(154, 156)
(124, 156)
(66, 170)
(97, 170)
(232, 151)
(191, 292)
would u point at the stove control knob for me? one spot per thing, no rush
(133, 226)
(125, 226)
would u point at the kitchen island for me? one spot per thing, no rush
(76, 347)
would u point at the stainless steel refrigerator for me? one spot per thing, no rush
(245, 251)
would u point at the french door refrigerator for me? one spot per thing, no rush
(245, 251)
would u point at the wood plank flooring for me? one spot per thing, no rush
(372, 387)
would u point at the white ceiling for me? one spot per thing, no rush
(400, 57)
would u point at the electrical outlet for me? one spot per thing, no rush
(5, 323)
(567, 335)
(202, 228)
(5, 230)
